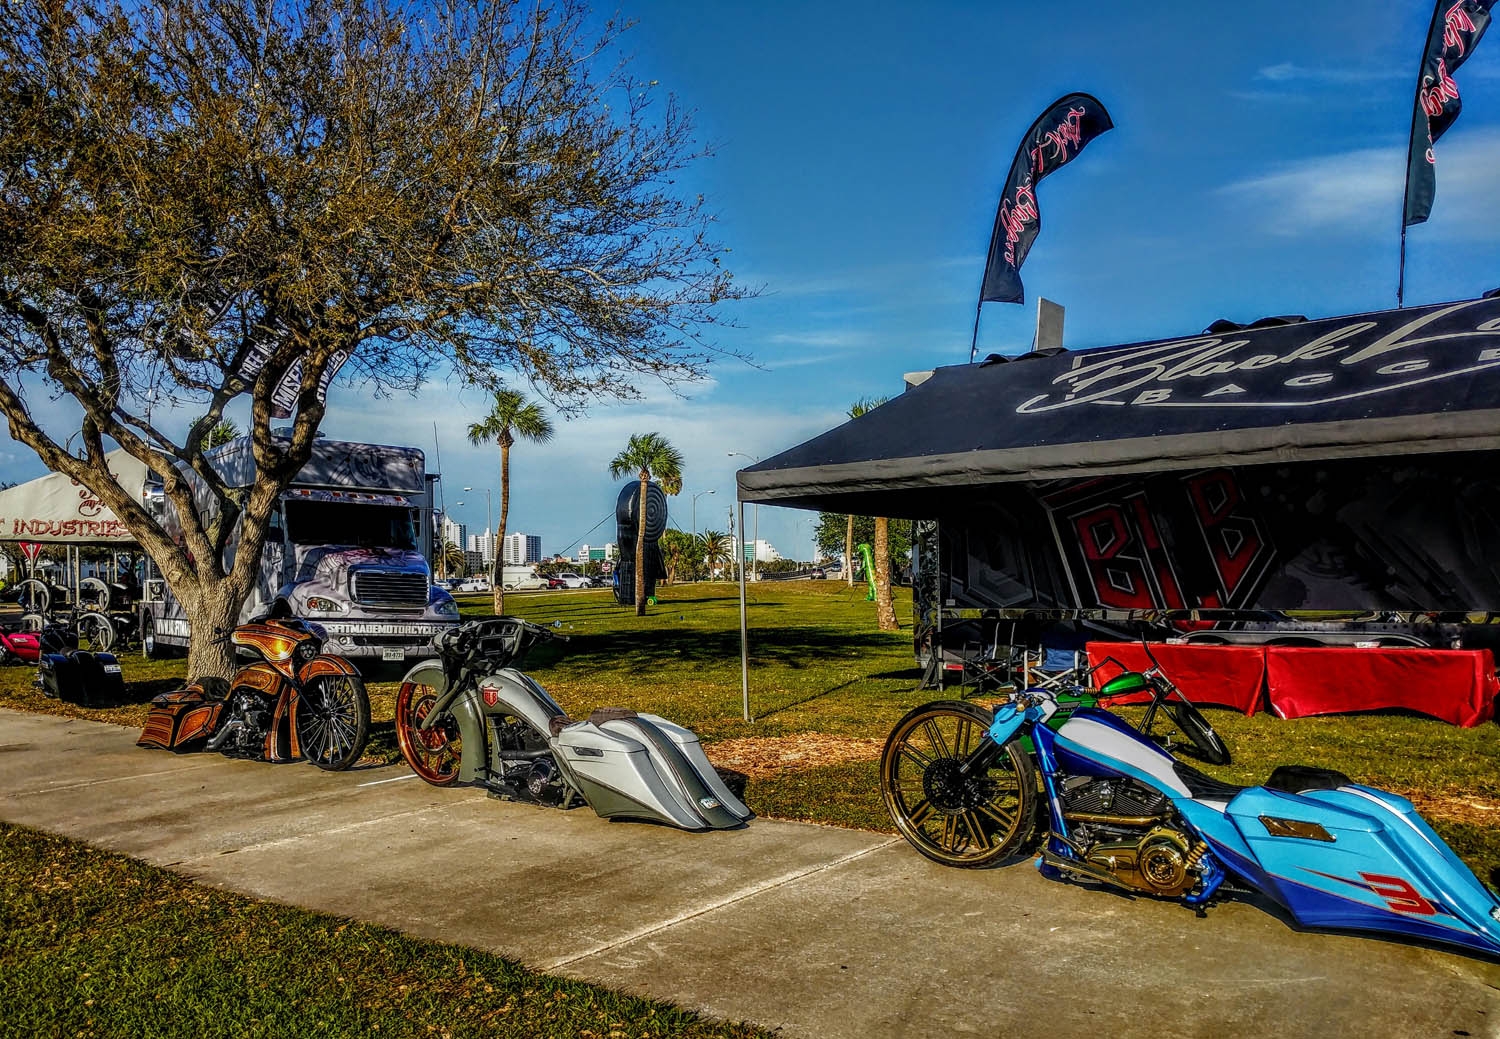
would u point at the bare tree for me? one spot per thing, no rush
(203, 200)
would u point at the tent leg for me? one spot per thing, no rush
(744, 630)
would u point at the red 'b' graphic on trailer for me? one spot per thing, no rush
(1233, 539)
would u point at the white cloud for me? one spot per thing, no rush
(1289, 72)
(1360, 191)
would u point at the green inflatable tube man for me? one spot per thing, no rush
(868, 558)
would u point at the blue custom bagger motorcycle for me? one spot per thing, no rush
(963, 791)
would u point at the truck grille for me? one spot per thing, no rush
(380, 588)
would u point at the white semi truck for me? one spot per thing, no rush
(348, 547)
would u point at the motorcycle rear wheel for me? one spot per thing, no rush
(435, 753)
(333, 721)
(966, 821)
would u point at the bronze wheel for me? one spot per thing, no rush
(955, 816)
(435, 753)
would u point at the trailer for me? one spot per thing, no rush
(348, 546)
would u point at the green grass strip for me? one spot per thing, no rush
(95, 944)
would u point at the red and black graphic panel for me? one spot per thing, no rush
(1232, 537)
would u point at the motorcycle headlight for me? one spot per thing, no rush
(319, 604)
(306, 651)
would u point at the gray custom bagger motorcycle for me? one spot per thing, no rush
(472, 717)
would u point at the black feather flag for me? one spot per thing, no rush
(1457, 26)
(1054, 140)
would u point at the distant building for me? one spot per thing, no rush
(484, 544)
(598, 554)
(760, 551)
(521, 549)
(475, 562)
(456, 532)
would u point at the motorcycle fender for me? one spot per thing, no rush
(617, 777)
(1357, 858)
(471, 728)
(327, 664)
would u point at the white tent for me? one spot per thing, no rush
(56, 510)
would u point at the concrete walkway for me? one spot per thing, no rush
(816, 931)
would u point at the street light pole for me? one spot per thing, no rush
(695, 517)
(754, 544)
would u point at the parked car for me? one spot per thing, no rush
(474, 584)
(817, 574)
(569, 580)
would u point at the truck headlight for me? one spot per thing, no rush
(319, 604)
(446, 608)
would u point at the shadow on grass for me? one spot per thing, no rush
(793, 647)
(762, 715)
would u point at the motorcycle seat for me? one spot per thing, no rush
(1294, 779)
(1203, 787)
(611, 714)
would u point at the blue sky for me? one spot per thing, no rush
(1255, 168)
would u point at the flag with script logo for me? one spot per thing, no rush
(1053, 141)
(1457, 26)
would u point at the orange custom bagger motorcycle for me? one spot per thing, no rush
(293, 701)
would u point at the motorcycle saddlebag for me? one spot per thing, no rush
(86, 679)
(183, 719)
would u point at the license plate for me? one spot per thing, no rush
(393, 653)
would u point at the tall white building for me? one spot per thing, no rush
(456, 532)
(484, 544)
(759, 551)
(521, 549)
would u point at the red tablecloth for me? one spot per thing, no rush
(1231, 676)
(1458, 686)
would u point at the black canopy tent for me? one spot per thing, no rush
(1392, 383)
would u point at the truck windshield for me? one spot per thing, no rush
(340, 523)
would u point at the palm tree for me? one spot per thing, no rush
(452, 559)
(713, 545)
(885, 609)
(512, 416)
(647, 455)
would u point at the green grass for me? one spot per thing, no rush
(93, 944)
(818, 664)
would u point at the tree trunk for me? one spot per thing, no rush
(849, 551)
(640, 547)
(497, 579)
(885, 610)
(213, 616)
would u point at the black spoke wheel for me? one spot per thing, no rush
(333, 721)
(1206, 743)
(433, 753)
(961, 818)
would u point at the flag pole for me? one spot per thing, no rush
(1411, 140)
(1401, 277)
(974, 342)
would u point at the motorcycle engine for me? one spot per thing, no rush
(1125, 831)
(243, 735)
(528, 772)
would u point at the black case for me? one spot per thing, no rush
(86, 679)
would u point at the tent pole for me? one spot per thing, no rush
(744, 630)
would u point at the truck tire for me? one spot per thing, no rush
(150, 648)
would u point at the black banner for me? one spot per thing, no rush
(1053, 141)
(1457, 26)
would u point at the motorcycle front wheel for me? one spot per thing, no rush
(1206, 742)
(333, 721)
(434, 753)
(967, 819)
